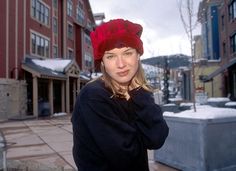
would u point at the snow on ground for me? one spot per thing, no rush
(218, 99)
(230, 104)
(204, 112)
(207, 111)
(59, 114)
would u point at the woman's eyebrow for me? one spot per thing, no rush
(128, 49)
(108, 53)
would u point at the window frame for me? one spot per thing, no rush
(70, 31)
(40, 45)
(69, 8)
(233, 43)
(40, 12)
(70, 53)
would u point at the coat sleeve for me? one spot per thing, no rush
(117, 140)
(150, 123)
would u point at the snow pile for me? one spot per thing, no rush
(96, 75)
(186, 104)
(204, 112)
(59, 114)
(230, 104)
(218, 99)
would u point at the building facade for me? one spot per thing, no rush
(55, 32)
(208, 16)
(227, 24)
(220, 77)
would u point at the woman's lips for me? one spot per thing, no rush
(123, 73)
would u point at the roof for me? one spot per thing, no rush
(48, 68)
(219, 70)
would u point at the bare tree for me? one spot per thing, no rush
(188, 18)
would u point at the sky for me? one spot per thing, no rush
(163, 31)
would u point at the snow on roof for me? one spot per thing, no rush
(84, 77)
(204, 112)
(53, 64)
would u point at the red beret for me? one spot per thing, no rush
(116, 33)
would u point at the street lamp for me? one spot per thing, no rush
(166, 81)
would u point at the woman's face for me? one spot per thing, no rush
(121, 64)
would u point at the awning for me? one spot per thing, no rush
(48, 68)
(219, 70)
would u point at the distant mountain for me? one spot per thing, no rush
(174, 61)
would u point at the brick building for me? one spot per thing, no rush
(218, 74)
(227, 24)
(45, 46)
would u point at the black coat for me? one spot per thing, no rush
(113, 134)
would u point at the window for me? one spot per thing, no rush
(88, 60)
(80, 13)
(46, 16)
(46, 48)
(88, 40)
(55, 52)
(33, 43)
(234, 83)
(55, 4)
(70, 31)
(55, 27)
(232, 10)
(40, 12)
(42, 47)
(33, 6)
(233, 43)
(224, 48)
(70, 54)
(39, 45)
(89, 25)
(223, 22)
(69, 7)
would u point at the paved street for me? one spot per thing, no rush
(45, 144)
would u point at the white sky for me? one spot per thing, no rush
(163, 32)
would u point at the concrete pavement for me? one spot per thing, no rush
(45, 145)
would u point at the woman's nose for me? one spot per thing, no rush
(120, 62)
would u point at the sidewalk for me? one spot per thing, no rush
(45, 145)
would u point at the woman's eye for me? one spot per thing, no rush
(128, 53)
(109, 56)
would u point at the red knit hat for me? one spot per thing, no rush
(116, 33)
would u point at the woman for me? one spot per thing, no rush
(115, 119)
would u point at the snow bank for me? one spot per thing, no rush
(218, 99)
(230, 104)
(204, 112)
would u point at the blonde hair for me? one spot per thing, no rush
(139, 78)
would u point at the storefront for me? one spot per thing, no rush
(52, 84)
